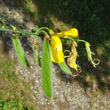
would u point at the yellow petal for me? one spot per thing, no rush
(57, 55)
(73, 32)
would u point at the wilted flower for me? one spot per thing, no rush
(71, 61)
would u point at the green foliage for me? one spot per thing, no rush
(11, 97)
(65, 68)
(46, 69)
(23, 32)
(13, 104)
(19, 51)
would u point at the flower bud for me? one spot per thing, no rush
(73, 33)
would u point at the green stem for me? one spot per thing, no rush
(27, 33)
(82, 41)
(9, 30)
(43, 28)
(33, 37)
(68, 38)
(42, 31)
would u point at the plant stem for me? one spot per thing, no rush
(44, 28)
(9, 30)
(68, 38)
(42, 31)
(82, 41)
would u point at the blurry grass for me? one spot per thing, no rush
(15, 93)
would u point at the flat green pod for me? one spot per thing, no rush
(19, 50)
(46, 69)
(64, 67)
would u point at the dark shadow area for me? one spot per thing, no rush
(92, 19)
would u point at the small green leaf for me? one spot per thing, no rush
(46, 69)
(36, 56)
(19, 50)
(65, 68)
(23, 32)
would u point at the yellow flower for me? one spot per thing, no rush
(57, 55)
(73, 33)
